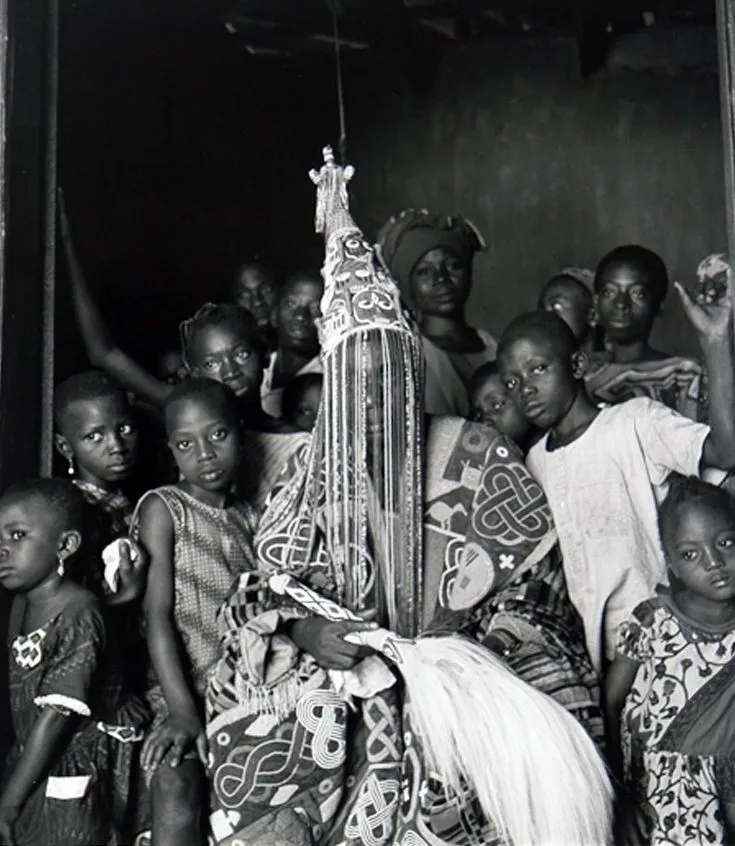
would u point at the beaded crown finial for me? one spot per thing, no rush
(359, 294)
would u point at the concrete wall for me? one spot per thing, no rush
(554, 170)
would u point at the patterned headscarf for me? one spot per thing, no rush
(355, 509)
(403, 240)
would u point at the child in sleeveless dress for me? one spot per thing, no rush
(199, 540)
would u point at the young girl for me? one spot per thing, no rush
(96, 434)
(199, 540)
(67, 779)
(670, 689)
(220, 342)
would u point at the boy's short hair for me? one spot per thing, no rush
(566, 277)
(208, 389)
(294, 390)
(540, 324)
(60, 496)
(650, 264)
(691, 490)
(90, 385)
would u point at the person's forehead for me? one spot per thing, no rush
(27, 508)
(563, 288)
(625, 274)
(304, 286)
(220, 337)
(252, 277)
(197, 411)
(531, 344)
(96, 411)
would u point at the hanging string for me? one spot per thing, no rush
(340, 94)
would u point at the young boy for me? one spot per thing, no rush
(491, 403)
(631, 284)
(604, 471)
(297, 353)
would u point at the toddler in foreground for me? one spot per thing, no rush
(669, 692)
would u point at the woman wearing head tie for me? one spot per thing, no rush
(430, 256)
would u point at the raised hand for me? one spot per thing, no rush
(710, 310)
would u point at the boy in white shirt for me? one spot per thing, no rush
(605, 470)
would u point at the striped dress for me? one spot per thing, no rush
(212, 547)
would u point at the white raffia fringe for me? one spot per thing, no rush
(537, 774)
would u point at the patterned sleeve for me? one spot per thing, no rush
(71, 662)
(635, 635)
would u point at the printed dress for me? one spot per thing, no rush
(67, 665)
(678, 723)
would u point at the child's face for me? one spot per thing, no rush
(171, 368)
(222, 352)
(101, 438)
(31, 542)
(491, 403)
(255, 292)
(625, 304)
(307, 407)
(540, 381)
(701, 552)
(299, 306)
(205, 444)
(566, 298)
(440, 282)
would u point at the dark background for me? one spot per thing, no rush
(181, 153)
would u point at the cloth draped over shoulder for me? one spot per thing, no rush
(679, 383)
(288, 755)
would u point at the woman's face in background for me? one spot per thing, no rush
(440, 282)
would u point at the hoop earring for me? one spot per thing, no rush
(60, 568)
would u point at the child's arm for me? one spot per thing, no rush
(618, 683)
(103, 352)
(184, 726)
(712, 321)
(630, 828)
(38, 755)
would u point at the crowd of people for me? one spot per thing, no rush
(130, 625)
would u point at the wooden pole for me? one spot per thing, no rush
(726, 52)
(49, 263)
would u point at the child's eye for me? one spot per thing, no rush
(17, 534)
(220, 434)
(640, 294)
(242, 355)
(726, 543)
(607, 293)
(93, 437)
(455, 266)
(540, 368)
(126, 429)
(510, 383)
(689, 555)
(183, 444)
(498, 405)
(211, 365)
(315, 310)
